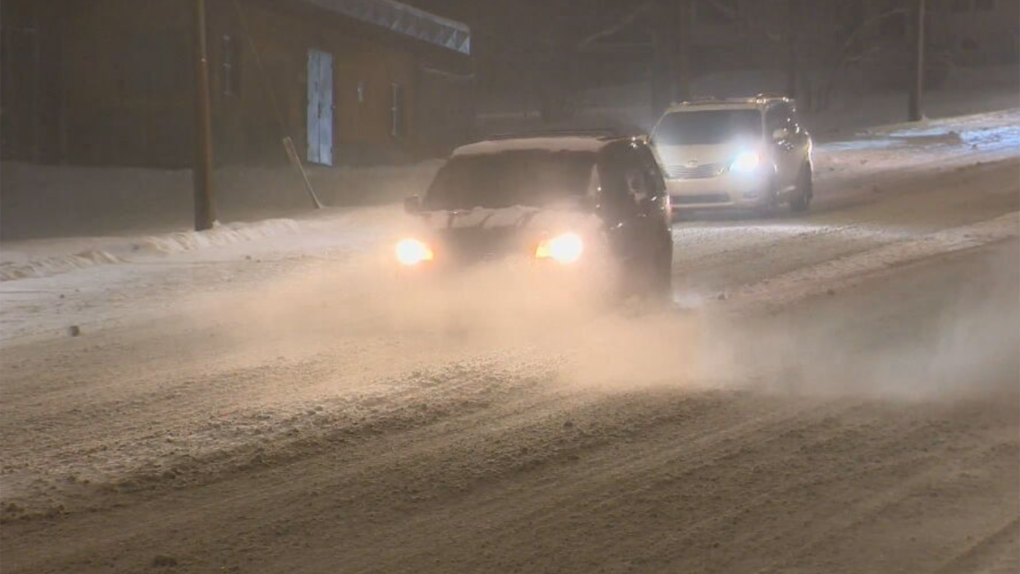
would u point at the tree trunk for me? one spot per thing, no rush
(205, 214)
(792, 36)
(682, 56)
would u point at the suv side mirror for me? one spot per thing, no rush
(412, 205)
(780, 134)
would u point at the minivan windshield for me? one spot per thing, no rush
(708, 127)
(533, 178)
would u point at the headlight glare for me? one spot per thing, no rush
(411, 252)
(746, 162)
(566, 248)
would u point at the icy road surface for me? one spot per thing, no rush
(837, 393)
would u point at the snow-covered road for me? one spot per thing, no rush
(837, 393)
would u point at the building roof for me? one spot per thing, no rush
(405, 20)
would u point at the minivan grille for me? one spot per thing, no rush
(703, 171)
(704, 199)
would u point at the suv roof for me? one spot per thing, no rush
(760, 101)
(580, 141)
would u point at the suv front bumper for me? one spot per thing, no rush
(726, 190)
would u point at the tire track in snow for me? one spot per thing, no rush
(998, 552)
(859, 267)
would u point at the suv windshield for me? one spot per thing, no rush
(708, 127)
(531, 178)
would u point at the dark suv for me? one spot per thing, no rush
(566, 200)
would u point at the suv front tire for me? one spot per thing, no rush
(801, 201)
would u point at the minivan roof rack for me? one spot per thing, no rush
(712, 100)
(730, 100)
(698, 99)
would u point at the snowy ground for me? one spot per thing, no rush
(836, 393)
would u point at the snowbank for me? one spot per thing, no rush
(44, 258)
(218, 236)
(10, 270)
(56, 219)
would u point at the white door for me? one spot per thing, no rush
(320, 107)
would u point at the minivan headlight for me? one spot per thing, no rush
(746, 162)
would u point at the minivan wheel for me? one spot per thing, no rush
(801, 201)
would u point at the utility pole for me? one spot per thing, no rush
(36, 85)
(916, 111)
(682, 58)
(793, 8)
(205, 211)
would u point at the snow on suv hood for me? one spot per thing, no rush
(518, 217)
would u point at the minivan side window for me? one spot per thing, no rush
(795, 120)
(780, 116)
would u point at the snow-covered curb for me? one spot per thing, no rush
(22, 260)
(847, 271)
(218, 236)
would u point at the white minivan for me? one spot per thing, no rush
(737, 153)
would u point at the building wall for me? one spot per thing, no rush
(444, 108)
(31, 87)
(363, 78)
(127, 82)
(124, 83)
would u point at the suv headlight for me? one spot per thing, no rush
(411, 252)
(746, 162)
(566, 248)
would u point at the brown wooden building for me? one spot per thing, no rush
(110, 82)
